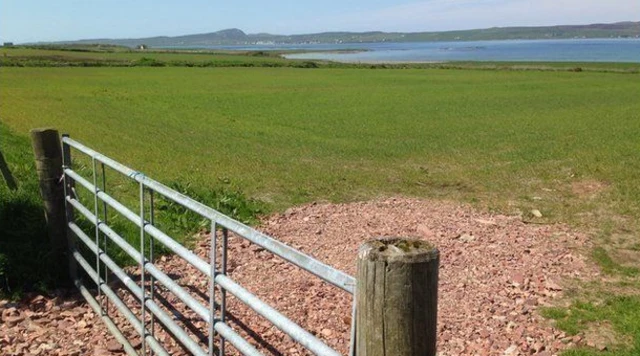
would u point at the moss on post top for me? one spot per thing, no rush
(398, 249)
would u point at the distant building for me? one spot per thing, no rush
(7, 44)
(142, 47)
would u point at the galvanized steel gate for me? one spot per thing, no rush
(218, 330)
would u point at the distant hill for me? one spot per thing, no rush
(235, 36)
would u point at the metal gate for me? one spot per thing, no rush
(219, 331)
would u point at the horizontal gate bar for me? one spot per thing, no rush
(227, 332)
(235, 339)
(128, 314)
(328, 273)
(164, 318)
(283, 323)
(160, 276)
(165, 239)
(106, 319)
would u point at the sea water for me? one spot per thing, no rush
(566, 50)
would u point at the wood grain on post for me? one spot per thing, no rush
(47, 150)
(397, 298)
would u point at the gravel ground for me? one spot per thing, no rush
(496, 272)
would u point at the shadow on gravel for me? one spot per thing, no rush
(231, 319)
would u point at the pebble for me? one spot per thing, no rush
(114, 346)
(327, 332)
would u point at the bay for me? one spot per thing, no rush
(566, 50)
(579, 50)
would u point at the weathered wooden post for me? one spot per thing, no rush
(47, 150)
(6, 173)
(397, 298)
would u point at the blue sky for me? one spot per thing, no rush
(40, 20)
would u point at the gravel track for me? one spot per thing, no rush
(496, 272)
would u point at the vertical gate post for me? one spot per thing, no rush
(397, 298)
(69, 185)
(47, 150)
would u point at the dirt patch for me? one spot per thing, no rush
(601, 334)
(626, 257)
(588, 189)
(496, 271)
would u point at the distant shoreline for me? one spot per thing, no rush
(237, 37)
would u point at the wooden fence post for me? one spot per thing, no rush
(397, 298)
(47, 150)
(6, 173)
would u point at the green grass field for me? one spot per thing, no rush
(565, 143)
(289, 136)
